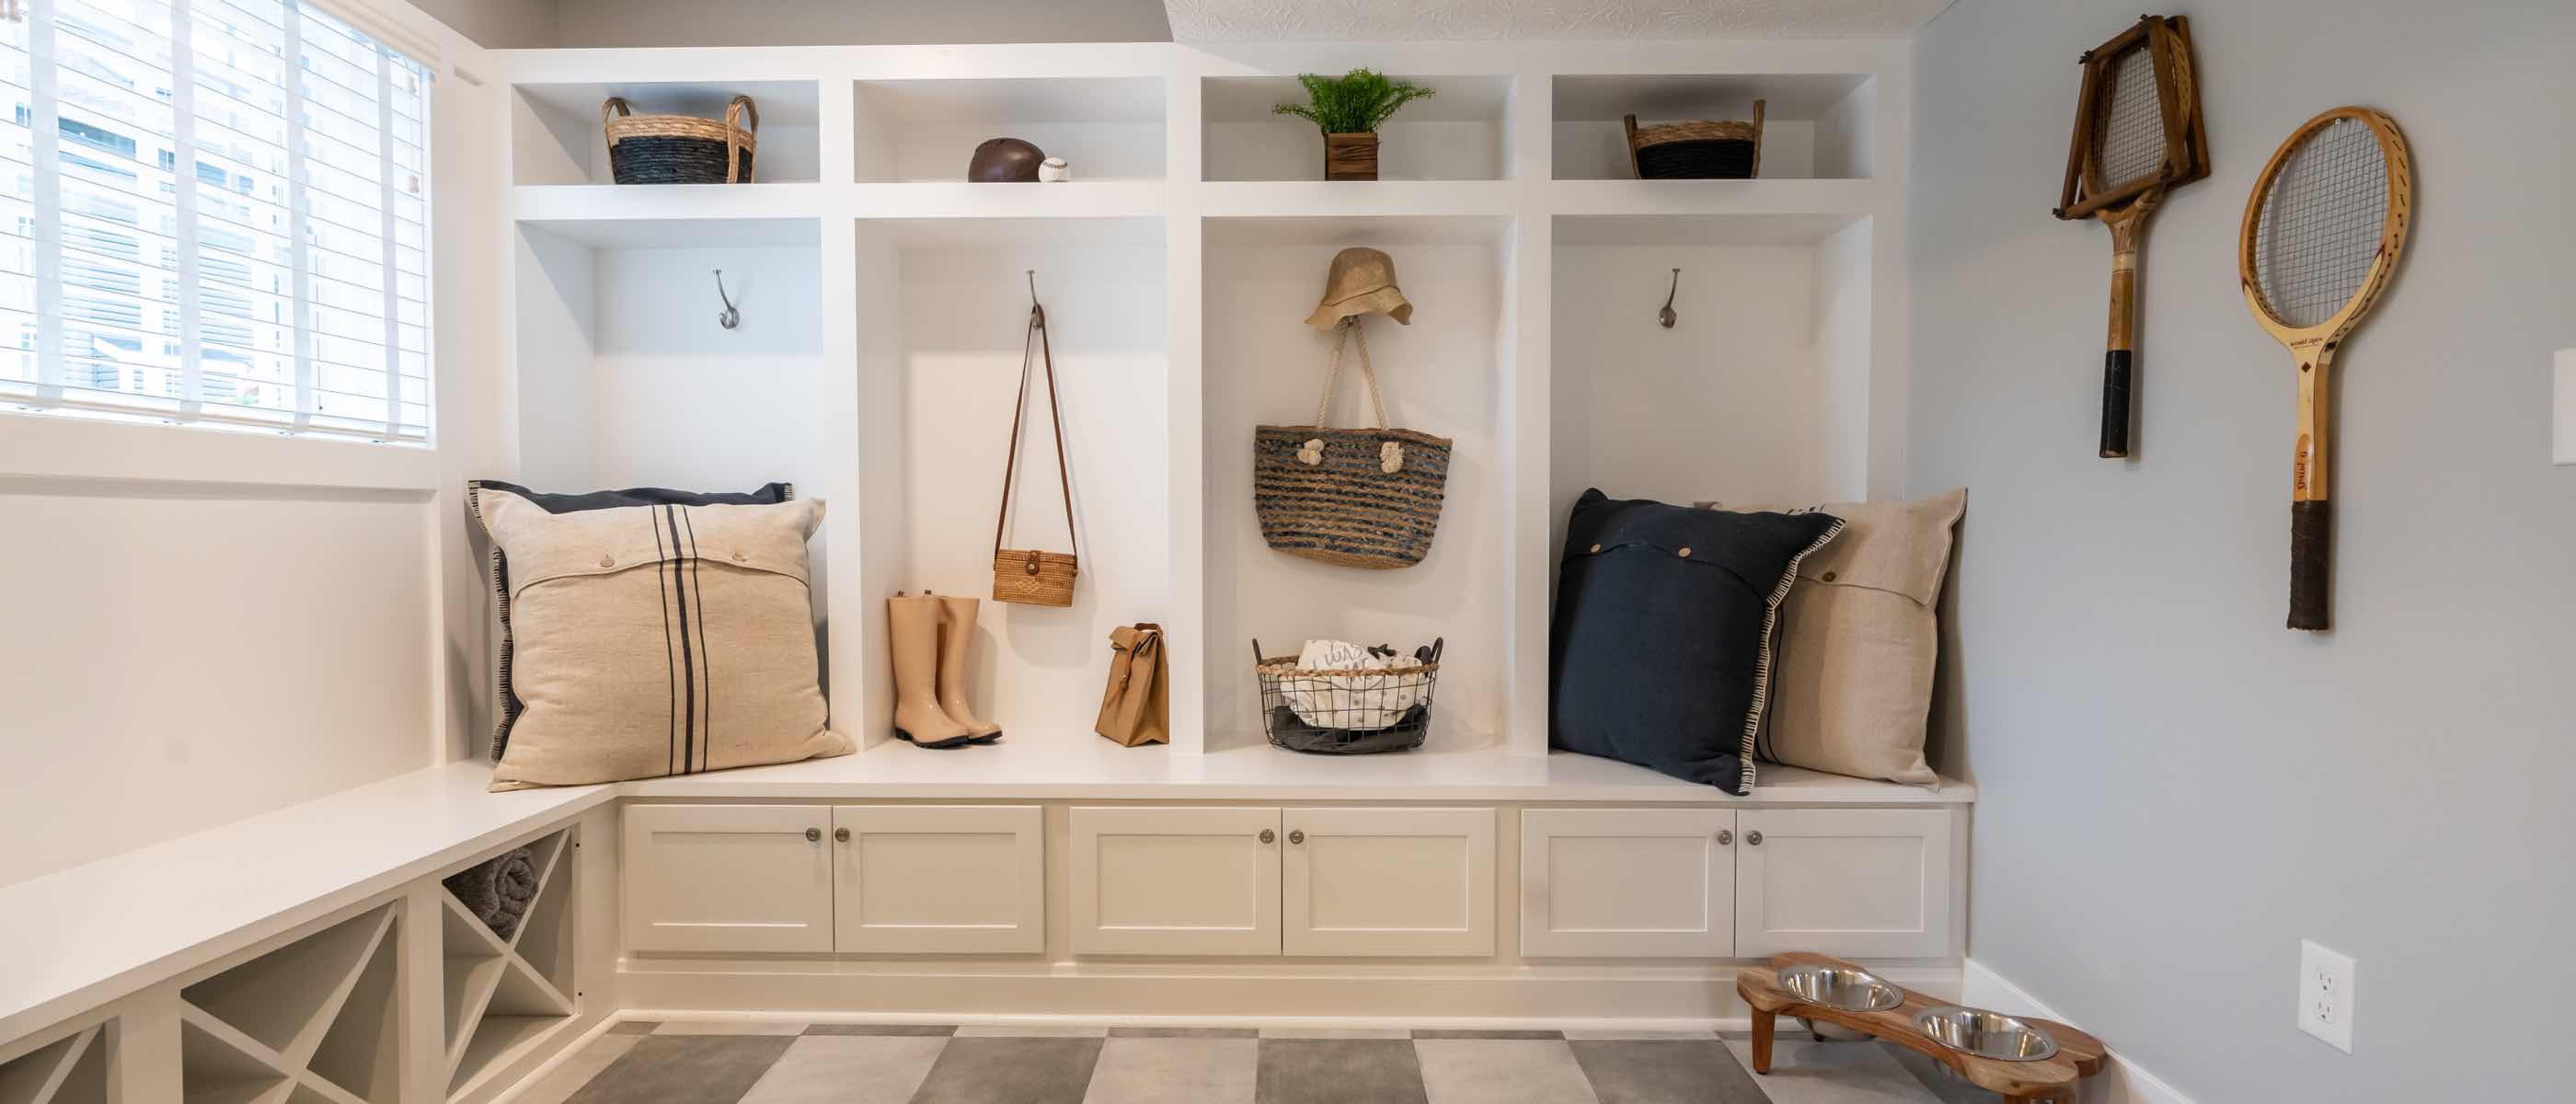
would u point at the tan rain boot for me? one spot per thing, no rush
(956, 632)
(912, 631)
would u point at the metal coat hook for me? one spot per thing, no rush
(1037, 314)
(732, 315)
(1666, 315)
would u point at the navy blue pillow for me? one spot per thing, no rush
(1660, 653)
(768, 494)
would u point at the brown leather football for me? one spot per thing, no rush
(1005, 161)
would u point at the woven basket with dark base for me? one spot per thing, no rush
(1329, 494)
(1321, 729)
(1707, 149)
(680, 149)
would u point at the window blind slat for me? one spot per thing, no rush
(217, 216)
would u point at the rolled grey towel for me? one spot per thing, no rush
(498, 892)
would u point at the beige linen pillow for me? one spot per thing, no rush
(1851, 690)
(656, 640)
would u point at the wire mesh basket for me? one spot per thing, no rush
(1347, 712)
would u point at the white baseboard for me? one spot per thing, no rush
(2121, 1081)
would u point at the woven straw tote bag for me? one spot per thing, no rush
(680, 149)
(1355, 497)
(1026, 575)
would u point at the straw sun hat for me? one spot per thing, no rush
(1362, 282)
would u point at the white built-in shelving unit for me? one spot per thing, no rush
(883, 303)
(502, 997)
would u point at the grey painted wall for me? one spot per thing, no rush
(2176, 789)
(496, 24)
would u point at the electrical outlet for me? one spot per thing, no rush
(2325, 995)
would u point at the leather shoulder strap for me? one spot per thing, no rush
(1032, 347)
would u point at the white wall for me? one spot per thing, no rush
(2175, 789)
(205, 625)
(497, 24)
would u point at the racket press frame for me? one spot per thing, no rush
(2125, 208)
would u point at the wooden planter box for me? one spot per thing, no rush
(1350, 156)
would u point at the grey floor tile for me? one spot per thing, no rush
(684, 1069)
(973, 1070)
(1588, 1034)
(1471, 1033)
(578, 1069)
(1949, 1087)
(1293, 1032)
(848, 1069)
(1339, 1071)
(1175, 1070)
(1665, 1071)
(634, 1027)
(728, 1027)
(1183, 1033)
(940, 1030)
(1031, 1031)
(1501, 1071)
(1807, 1072)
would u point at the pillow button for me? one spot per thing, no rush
(1828, 576)
(608, 561)
(1685, 553)
(739, 557)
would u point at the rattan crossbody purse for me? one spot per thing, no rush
(1026, 575)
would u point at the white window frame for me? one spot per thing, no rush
(50, 395)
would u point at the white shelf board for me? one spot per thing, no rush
(100, 931)
(1068, 764)
(1075, 199)
(1688, 230)
(1714, 197)
(647, 215)
(1287, 199)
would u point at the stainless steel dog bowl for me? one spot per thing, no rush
(1985, 1034)
(1838, 987)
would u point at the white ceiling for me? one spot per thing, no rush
(1419, 20)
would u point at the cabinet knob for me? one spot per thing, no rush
(1267, 835)
(840, 835)
(1296, 835)
(813, 835)
(1726, 837)
(1754, 837)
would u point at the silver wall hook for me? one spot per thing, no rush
(732, 315)
(1037, 314)
(1666, 315)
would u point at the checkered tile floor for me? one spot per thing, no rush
(790, 1063)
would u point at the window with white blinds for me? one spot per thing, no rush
(218, 213)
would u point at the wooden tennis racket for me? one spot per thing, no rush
(2138, 135)
(2323, 231)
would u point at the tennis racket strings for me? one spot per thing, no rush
(2318, 230)
(2129, 129)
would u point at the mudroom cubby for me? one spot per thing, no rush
(1461, 132)
(1815, 126)
(1105, 128)
(556, 134)
(1443, 374)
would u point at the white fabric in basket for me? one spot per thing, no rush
(1370, 697)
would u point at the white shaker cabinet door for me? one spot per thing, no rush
(1858, 883)
(728, 878)
(1388, 882)
(1175, 881)
(1628, 883)
(940, 879)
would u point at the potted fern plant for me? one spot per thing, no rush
(1348, 109)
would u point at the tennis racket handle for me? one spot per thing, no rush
(2116, 366)
(2311, 545)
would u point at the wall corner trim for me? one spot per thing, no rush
(2121, 1082)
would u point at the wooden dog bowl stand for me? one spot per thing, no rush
(2048, 1081)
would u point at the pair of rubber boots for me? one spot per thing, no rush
(930, 634)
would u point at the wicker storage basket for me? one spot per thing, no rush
(1705, 149)
(1307, 710)
(1354, 497)
(680, 149)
